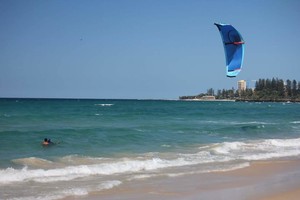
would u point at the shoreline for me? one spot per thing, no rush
(262, 180)
(243, 100)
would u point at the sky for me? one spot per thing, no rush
(140, 49)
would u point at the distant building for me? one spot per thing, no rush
(208, 98)
(242, 85)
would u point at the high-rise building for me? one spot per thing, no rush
(242, 85)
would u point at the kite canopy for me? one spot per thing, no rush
(233, 47)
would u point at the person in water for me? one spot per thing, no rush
(47, 142)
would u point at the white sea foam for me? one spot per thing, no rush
(240, 122)
(259, 149)
(72, 172)
(109, 184)
(230, 167)
(104, 104)
(75, 192)
(295, 122)
(251, 123)
(71, 192)
(141, 176)
(229, 147)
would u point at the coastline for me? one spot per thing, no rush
(208, 100)
(243, 100)
(262, 180)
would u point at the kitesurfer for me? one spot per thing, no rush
(47, 142)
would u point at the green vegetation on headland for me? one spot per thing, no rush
(271, 90)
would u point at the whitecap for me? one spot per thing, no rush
(258, 149)
(295, 122)
(109, 184)
(104, 104)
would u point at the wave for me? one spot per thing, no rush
(73, 172)
(74, 167)
(259, 149)
(76, 191)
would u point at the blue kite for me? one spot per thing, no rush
(233, 47)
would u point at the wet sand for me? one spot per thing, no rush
(264, 180)
(288, 195)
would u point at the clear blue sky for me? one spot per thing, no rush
(140, 48)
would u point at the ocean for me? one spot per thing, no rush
(102, 144)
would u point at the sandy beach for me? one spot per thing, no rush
(263, 180)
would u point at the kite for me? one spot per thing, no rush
(233, 47)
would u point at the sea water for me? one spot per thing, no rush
(102, 144)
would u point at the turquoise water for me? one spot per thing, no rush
(101, 144)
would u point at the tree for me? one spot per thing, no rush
(268, 84)
(274, 84)
(219, 94)
(211, 92)
(288, 88)
(298, 90)
(280, 86)
(294, 88)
